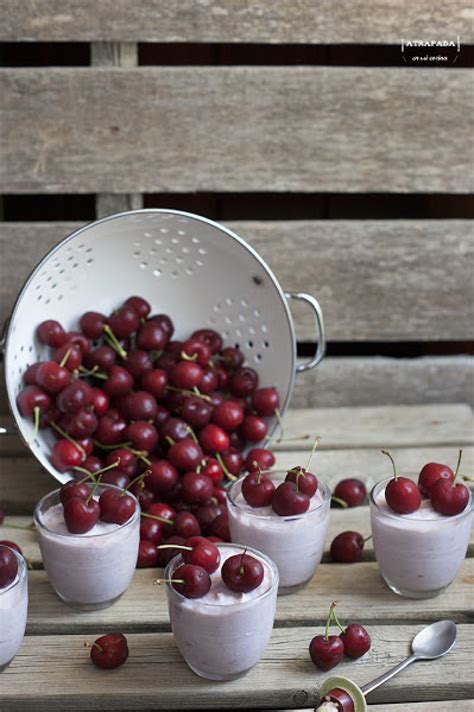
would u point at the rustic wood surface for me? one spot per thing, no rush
(313, 128)
(285, 677)
(53, 648)
(299, 21)
(376, 280)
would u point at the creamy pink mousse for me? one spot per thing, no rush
(295, 544)
(224, 633)
(419, 554)
(13, 613)
(88, 570)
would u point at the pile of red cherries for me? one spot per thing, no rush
(124, 399)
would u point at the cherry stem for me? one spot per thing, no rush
(386, 452)
(97, 483)
(160, 582)
(170, 440)
(368, 538)
(185, 356)
(337, 621)
(329, 618)
(138, 478)
(92, 372)
(98, 472)
(466, 478)
(194, 392)
(125, 445)
(175, 546)
(193, 435)
(88, 475)
(68, 437)
(313, 450)
(36, 420)
(259, 471)
(157, 517)
(114, 342)
(280, 425)
(224, 468)
(65, 357)
(140, 454)
(340, 501)
(88, 644)
(241, 568)
(28, 527)
(457, 467)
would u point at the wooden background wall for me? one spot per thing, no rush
(294, 122)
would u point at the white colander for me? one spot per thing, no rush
(198, 272)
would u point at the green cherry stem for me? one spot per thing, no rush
(368, 538)
(336, 620)
(125, 445)
(98, 472)
(317, 440)
(68, 437)
(65, 357)
(329, 618)
(241, 568)
(175, 546)
(138, 478)
(36, 422)
(342, 503)
(157, 517)
(457, 467)
(160, 582)
(114, 342)
(386, 452)
(224, 468)
(97, 483)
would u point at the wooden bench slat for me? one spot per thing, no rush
(301, 21)
(156, 677)
(312, 129)
(392, 295)
(23, 480)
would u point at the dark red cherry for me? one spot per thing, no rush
(185, 454)
(74, 489)
(203, 553)
(305, 481)
(29, 376)
(147, 554)
(175, 428)
(163, 476)
(212, 468)
(253, 428)
(162, 416)
(52, 377)
(69, 356)
(258, 490)
(75, 338)
(351, 490)
(65, 455)
(209, 381)
(80, 424)
(196, 412)
(109, 651)
(431, 473)
(165, 555)
(51, 333)
(265, 401)
(326, 652)
(32, 397)
(141, 405)
(74, 397)
(232, 460)
(104, 357)
(81, 515)
(151, 337)
(228, 415)
(242, 573)
(186, 375)
(191, 581)
(232, 358)
(257, 458)
(347, 547)
(116, 507)
(99, 401)
(356, 641)
(243, 382)
(165, 323)
(138, 362)
(155, 382)
(152, 530)
(209, 337)
(220, 527)
(198, 351)
(223, 377)
(110, 431)
(144, 495)
(288, 501)
(186, 525)
(124, 322)
(92, 463)
(115, 477)
(139, 305)
(196, 488)
(142, 435)
(92, 324)
(401, 494)
(9, 566)
(119, 382)
(160, 509)
(449, 498)
(213, 439)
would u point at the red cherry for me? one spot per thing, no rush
(351, 491)
(186, 375)
(160, 509)
(52, 377)
(242, 573)
(151, 337)
(147, 554)
(228, 415)
(401, 494)
(81, 515)
(326, 650)
(232, 358)
(74, 397)
(115, 477)
(356, 640)
(152, 530)
(139, 305)
(191, 581)
(79, 425)
(9, 566)
(65, 455)
(119, 382)
(232, 460)
(196, 350)
(29, 376)
(164, 556)
(110, 430)
(305, 481)
(73, 489)
(99, 401)
(257, 458)
(109, 651)
(449, 498)
(258, 490)
(288, 501)
(196, 488)
(163, 476)
(253, 428)
(51, 333)
(206, 513)
(213, 439)
(138, 362)
(75, 338)
(196, 412)
(142, 435)
(209, 381)
(265, 401)
(209, 337)
(185, 454)
(186, 525)
(347, 547)
(212, 469)
(69, 356)
(174, 428)
(104, 357)
(155, 382)
(124, 322)
(127, 461)
(243, 382)
(92, 324)
(116, 507)
(203, 553)
(32, 397)
(220, 527)
(430, 474)
(165, 323)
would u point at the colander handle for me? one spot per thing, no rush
(320, 331)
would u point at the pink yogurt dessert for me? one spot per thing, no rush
(223, 634)
(294, 543)
(419, 554)
(92, 570)
(13, 613)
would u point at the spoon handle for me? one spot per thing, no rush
(370, 686)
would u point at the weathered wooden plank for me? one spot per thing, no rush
(301, 21)
(308, 131)
(156, 677)
(376, 280)
(24, 481)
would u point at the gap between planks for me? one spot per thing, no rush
(155, 676)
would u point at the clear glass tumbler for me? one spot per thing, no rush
(13, 613)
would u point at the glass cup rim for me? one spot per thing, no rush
(258, 554)
(436, 516)
(326, 493)
(22, 571)
(69, 535)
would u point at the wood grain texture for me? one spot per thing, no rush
(299, 21)
(155, 676)
(376, 280)
(260, 129)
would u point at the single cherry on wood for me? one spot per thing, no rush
(351, 490)
(109, 651)
(346, 547)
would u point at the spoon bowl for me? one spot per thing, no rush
(435, 640)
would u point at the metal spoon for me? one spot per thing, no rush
(430, 643)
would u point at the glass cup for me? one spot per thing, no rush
(419, 554)
(295, 543)
(222, 638)
(87, 571)
(13, 613)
